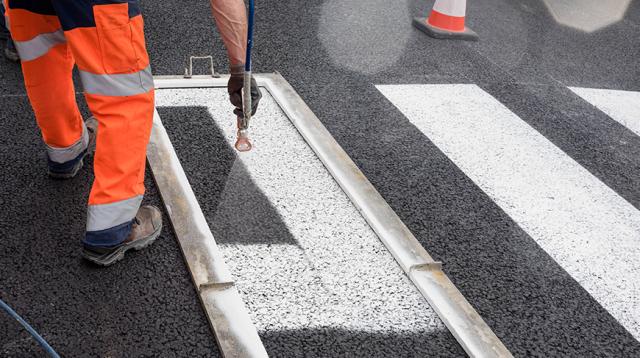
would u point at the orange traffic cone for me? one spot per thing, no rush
(446, 21)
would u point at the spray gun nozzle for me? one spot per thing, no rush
(243, 144)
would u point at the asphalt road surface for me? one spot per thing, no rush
(513, 160)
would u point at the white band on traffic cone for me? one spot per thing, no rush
(448, 15)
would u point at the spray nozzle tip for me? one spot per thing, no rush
(243, 144)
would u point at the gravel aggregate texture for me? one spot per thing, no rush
(334, 54)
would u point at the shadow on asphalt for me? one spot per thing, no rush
(237, 210)
(532, 304)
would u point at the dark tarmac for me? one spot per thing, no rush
(334, 53)
(144, 306)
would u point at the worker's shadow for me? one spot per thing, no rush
(236, 209)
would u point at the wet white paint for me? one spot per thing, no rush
(622, 106)
(592, 232)
(338, 275)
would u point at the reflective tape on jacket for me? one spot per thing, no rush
(106, 216)
(128, 84)
(39, 45)
(63, 155)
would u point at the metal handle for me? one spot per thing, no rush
(242, 143)
(188, 72)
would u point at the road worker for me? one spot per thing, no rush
(105, 39)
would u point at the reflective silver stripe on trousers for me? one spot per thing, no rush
(129, 84)
(6, 15)
(105, 216)
(39, 45)
(62, 155)
(6, 19)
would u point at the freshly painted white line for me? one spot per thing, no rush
(338, 274)
(622, 106)
(592, 232)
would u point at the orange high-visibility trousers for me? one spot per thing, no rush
(105, 39)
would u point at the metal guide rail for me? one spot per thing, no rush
(227, 314)
(236, 335)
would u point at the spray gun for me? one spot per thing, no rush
(243, 144)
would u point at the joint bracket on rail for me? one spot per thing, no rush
(228, 316)
(429, 266)
(216, 286)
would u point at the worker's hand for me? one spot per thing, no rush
(234, 87)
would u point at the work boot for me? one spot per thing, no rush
(68, 170)
(145, 228)
(10, 51)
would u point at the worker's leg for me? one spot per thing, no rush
(107, 41)
(47, 63)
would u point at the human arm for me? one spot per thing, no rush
(231, 20)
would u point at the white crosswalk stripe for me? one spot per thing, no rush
(592, 232)
(622, 106)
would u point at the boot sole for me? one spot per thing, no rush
(118, 254)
